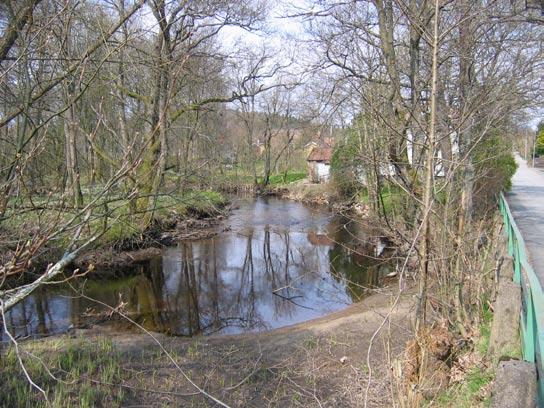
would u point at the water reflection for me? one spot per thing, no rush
(280, 264)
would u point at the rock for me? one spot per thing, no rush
(515, 385)
(504, 337)
(506, 269)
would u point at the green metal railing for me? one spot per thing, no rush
(532, 297)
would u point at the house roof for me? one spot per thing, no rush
(319, 239)
(321, 154)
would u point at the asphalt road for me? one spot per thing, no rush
(526, 200)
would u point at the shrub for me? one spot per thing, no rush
(539, 147)
(345, 163)
(494, 165)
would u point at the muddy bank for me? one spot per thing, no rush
(319, 363)
(124, 256)
(318, 194)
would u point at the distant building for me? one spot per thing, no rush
(311, 145)
(319, 164)
(319, 239)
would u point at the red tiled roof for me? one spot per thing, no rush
(323, 154)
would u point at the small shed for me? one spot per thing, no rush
(319, 164)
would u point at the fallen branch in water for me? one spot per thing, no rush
(290, 299)
(8, 299)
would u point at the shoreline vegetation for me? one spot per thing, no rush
(175, 216)
(183, 216)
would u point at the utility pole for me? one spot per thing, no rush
(534, 148)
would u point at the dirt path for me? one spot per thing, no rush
(320, 363)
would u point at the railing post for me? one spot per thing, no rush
(531, 335)
(510, 239)
(517, 262)
(532, 312)
(539, 338)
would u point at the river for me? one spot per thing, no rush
(279, 263)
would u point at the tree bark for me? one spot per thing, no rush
(424, 250)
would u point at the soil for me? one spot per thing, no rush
(319, 363)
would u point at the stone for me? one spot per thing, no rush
(515, 385)
(506, 270)
(504, 336)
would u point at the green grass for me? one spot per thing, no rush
(243, 177)
(290, 177)
(467, 393)
(482, 345)
(120, 225)
(64, 369)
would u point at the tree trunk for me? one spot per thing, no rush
(424, 249)
(70, 137)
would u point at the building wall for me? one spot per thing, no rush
(318, 172)
(323, 171)
(312, 172)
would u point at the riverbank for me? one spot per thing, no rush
(304, 191)
(122, 236)
(189, 291)
(204, 219)
(323, 362)
(152, 243)
(318, 362)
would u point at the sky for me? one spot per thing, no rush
(281, 36)
(278, 29)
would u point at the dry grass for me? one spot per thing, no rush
(321, 363)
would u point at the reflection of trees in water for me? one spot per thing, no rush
(143, 305)
(288, 297)
(355, 262)
(247, 281)
(200, 301)
(43, 313)
(204, 302)
(29, 317)
(179, 311)
(244, 309)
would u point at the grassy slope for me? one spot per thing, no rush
(63, 369)
(27, 220)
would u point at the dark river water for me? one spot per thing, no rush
(280, 263)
